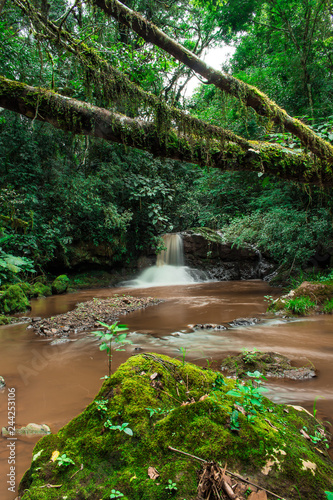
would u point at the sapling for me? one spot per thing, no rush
(114, 335)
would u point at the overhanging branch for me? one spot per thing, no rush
(83, 118)
(249, 95)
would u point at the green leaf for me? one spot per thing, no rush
(102, 347)
(128, 431)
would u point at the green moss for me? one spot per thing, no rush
(60, 284)
(114, 460)
(13, 300)
(5, 320)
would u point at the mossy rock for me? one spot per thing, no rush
(41, 290)
(60, 284)
(169, 403)
(14, 300)
(310, 297)
(269, 364)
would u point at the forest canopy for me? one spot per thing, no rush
(105, 70)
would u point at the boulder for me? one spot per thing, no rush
(153, 406)
(60, 284)
(14, 300)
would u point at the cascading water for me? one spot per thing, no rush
(169, 268)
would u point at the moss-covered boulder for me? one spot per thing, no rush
(309, 298)
(13, 300)
(5, 320)
(60, 284)
(269, 364)
(153, 402)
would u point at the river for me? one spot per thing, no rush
(54, 383)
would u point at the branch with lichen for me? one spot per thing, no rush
(248, 94)
(83, 118)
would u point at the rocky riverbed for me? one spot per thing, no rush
(86, 315)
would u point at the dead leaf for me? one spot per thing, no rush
(55, 455)
(270, 423)
(304, 434)
(153, 376)
(260, 495)
(152, 473)
(203, 397)
(240, 408)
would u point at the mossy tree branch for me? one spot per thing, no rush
(78, 117)
(249, 94)
(115, 85)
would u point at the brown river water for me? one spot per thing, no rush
(54, 383)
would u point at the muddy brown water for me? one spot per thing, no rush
(54, 383)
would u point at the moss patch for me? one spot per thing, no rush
(168, 403)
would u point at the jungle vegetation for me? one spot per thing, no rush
(100, 145)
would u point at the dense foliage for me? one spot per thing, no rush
(64, 197)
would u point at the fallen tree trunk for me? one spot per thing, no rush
(82, 118)
(249, 95)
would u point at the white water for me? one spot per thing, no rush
(169, 268)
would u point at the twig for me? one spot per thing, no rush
(51, 486)
(228, 472)
(81, 468)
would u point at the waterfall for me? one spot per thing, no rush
(169, 268)
(174, 253)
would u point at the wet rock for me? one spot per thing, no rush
(2, 382)
(59, 341)
(244, 322)
(37, 318)
(209, 326)
(270, 364)
(28, 430)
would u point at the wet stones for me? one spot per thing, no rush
(239, 322)
(86, 316)
(2, 382)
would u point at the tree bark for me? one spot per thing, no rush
(79, 117)
(250, 95)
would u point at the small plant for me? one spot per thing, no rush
(328, 307)
(102, 406)
(158, 411)
(171, 487)
(234, 423)
(300, 305)
(116, 494)
(250, 394)
(269, 300)
(115, 336)
(250, 356)
(64, 460)
(183, 351)
(218, 383)
(123, 427)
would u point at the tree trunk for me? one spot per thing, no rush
(250, 95)
(83, 118)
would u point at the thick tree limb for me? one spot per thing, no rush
(83, 118)
(250, 95)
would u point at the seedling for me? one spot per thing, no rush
(113, 336)
(116, 494)
(122, 427)
(64, 460)
(171, 487)
(102, 406)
